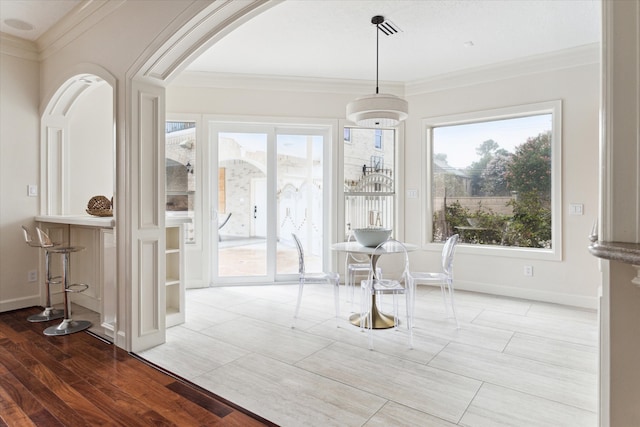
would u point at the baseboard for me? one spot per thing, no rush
(196, 284)
(581, 301)
(18, 303)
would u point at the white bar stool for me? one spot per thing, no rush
(49, 313)
(68, 325)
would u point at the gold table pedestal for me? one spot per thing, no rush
(380, 320)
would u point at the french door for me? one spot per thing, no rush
(268, 183)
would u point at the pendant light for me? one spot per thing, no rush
(378, 110)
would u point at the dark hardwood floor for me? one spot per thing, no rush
(80, 380)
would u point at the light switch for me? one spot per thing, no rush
(32, 190)
(576, 208)
(412, 194)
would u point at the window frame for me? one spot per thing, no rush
(553, 107)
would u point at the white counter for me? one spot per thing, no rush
(86, 220)
(101, 221)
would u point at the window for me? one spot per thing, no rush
(378, 139)
(180, 152)
(369, 180)
(494, 177)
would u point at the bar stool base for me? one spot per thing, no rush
(49, 313)
(67, 327)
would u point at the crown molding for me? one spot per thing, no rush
(563, 59)
(72, 25)
(18, 47)
(281, 83)
(554, 61)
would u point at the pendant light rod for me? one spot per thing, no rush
(377, 20)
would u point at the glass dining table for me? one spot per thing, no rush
(380, 319)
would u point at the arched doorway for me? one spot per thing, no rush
(143, 250)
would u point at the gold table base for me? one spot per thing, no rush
(380, 320)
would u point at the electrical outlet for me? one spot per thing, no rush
(528, 270)
(32, 276)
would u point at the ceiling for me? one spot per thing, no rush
(29, 19)
(335, 38)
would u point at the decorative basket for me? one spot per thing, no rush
(99, 206)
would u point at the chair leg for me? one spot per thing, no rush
(443, 290)
(410, 300)
(396, 312)
(336, 297)
(453, 305)
(49, 313)
(370, 323)
(295, 314)
(362, 308)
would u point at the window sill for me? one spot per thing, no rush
(502, 251)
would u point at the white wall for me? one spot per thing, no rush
(91, 148)
(19, 166)
(574, 279)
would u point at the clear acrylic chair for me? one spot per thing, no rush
(375, 286)
(304, 277)
(49, 313)
(355, 264)
(443, 278)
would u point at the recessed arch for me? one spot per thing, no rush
(58, 128)
(73, 83)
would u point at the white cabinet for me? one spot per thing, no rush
(86, 266)
(174, 281)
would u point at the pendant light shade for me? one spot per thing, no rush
(379, 109)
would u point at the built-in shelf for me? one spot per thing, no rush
(174, 281)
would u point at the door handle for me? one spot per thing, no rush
(255, 211)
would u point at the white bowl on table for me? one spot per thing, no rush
(371, 237)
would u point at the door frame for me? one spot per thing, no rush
(271, 126)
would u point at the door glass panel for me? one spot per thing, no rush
(299, 201)
(242, 204)
(180, 153)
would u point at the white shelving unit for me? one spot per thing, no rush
(174, 283)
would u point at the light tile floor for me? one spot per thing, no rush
(511, 363)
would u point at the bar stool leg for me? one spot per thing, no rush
(68, 325)
(49, 312)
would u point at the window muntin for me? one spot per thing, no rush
(494, 178)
